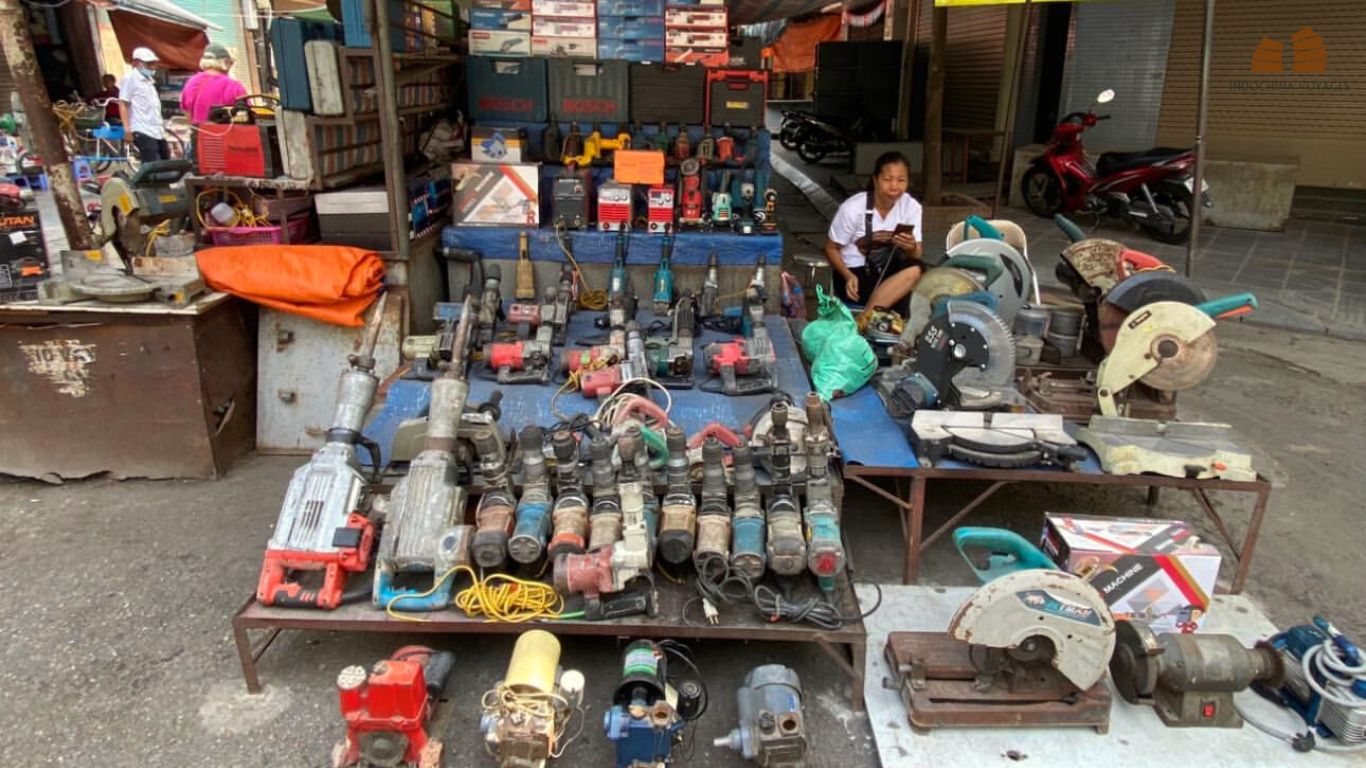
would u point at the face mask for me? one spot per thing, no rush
(145, 70)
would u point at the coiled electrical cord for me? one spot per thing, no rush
(1329, 663)
(718, 584)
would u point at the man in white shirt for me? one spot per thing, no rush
(140, 108)
(887, 208)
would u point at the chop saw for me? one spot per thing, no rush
(965, 358)
(1029, 648)
(1168, 346)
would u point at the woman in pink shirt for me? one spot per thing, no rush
(212, 87)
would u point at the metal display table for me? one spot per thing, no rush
(845, 646)
(874, 447)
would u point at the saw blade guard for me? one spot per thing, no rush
(1012, 288)
(1166, 345)
(1055, 605)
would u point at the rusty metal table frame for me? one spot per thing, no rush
(745, 625)
(912, 503)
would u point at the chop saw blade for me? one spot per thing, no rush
(1027, 605)
(936, 284)
(999, 369)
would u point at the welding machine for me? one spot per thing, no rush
(572, 199)
(614, 207)
(239, 149)
(660, 209)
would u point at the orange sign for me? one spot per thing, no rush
(1308, 55)
(638, 166)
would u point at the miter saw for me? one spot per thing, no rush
(151, 196)
(964, 358)
(1013, 286)
(1168, 346)
(1029, 648)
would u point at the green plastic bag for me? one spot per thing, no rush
(841, 359)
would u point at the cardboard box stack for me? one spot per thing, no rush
(564, 28)
(696, 33)
(631, 30)
(500, 28)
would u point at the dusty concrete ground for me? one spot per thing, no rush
(119, 651)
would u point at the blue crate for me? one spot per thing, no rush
(643, 28)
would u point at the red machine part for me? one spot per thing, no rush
(275, 587)
(235, 150)
(1130, 261)
(574, 360)
(600, 383)
(524, 313)
(729, 354)
(725, 149)
(385, 711)
(506, 355)
(715, 429)
(660, 209)
(589, 574)
(614, 207)
(690, 199)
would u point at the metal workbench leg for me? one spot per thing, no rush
(915, 511)
(1154, 495)
(1254, 529)
(246, 656)
(851, 666)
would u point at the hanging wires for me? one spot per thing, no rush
(593, 299)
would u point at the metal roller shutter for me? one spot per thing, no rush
(1121, 46)
(1315, 118)
(973, 62)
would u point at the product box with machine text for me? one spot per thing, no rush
(23, 254)
(1157, 571)
(504, 195)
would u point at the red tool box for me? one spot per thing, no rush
(736, 97)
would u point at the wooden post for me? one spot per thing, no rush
(42, 124)
(391, 133)
(912, 31)
(934, 110)
(1201, 125)
(1012, 106)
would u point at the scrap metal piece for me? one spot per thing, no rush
(1176, 449)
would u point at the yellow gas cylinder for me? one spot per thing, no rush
(534, 659)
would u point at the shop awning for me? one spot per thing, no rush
(160, 10)
(177, 36)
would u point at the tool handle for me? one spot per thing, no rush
(991, 265)
(436, 671)
(1072, 231)
(984, 228)
(1232, 305)
(1007, 551)
(1130, 261)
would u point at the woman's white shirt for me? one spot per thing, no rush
(848, 225)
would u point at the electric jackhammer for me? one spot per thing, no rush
(532, 532)
(570, 513)
(678, 519)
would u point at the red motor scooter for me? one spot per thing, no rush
(1154, 188)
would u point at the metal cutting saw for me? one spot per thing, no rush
(1029, 648)
(152, 195)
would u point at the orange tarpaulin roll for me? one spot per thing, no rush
(331, 283)
(795, 49)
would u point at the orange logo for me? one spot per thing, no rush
(1308, 56)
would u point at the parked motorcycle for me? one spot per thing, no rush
(1154, 189)
(789, 131)
(820, 137)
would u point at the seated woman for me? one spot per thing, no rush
(872, 243)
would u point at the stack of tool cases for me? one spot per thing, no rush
(564, 28)
(696, 33)
(500, 28)
(631, 30)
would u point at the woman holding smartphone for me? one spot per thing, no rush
(872, 243)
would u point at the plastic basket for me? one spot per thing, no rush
(299, 232)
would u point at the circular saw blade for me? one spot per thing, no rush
(1000, 366)
(936, 284)
(1182, 363)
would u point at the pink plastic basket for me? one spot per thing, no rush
(299, 232)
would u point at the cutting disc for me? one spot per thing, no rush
(936, 284)
(1183, 363)
(114, 287)
(1012, 288)
(1000, 366)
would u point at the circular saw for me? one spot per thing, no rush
(1011, 287)
(934, 286)
(1031, 623)
(966, 347)
(1138, 291)
(1166, 345)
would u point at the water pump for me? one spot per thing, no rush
(772, 730)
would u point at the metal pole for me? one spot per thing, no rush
(42, 124)
(912, 31)
(1201, 125)
(391, 134)
(1012, 104)
(934, 110)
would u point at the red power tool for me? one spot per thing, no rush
(387, 710)
(690, 193)
(744, 365)
(521, 362)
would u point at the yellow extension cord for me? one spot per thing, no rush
(498, 596)
(592, 299)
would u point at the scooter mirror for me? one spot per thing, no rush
(1106, 96)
